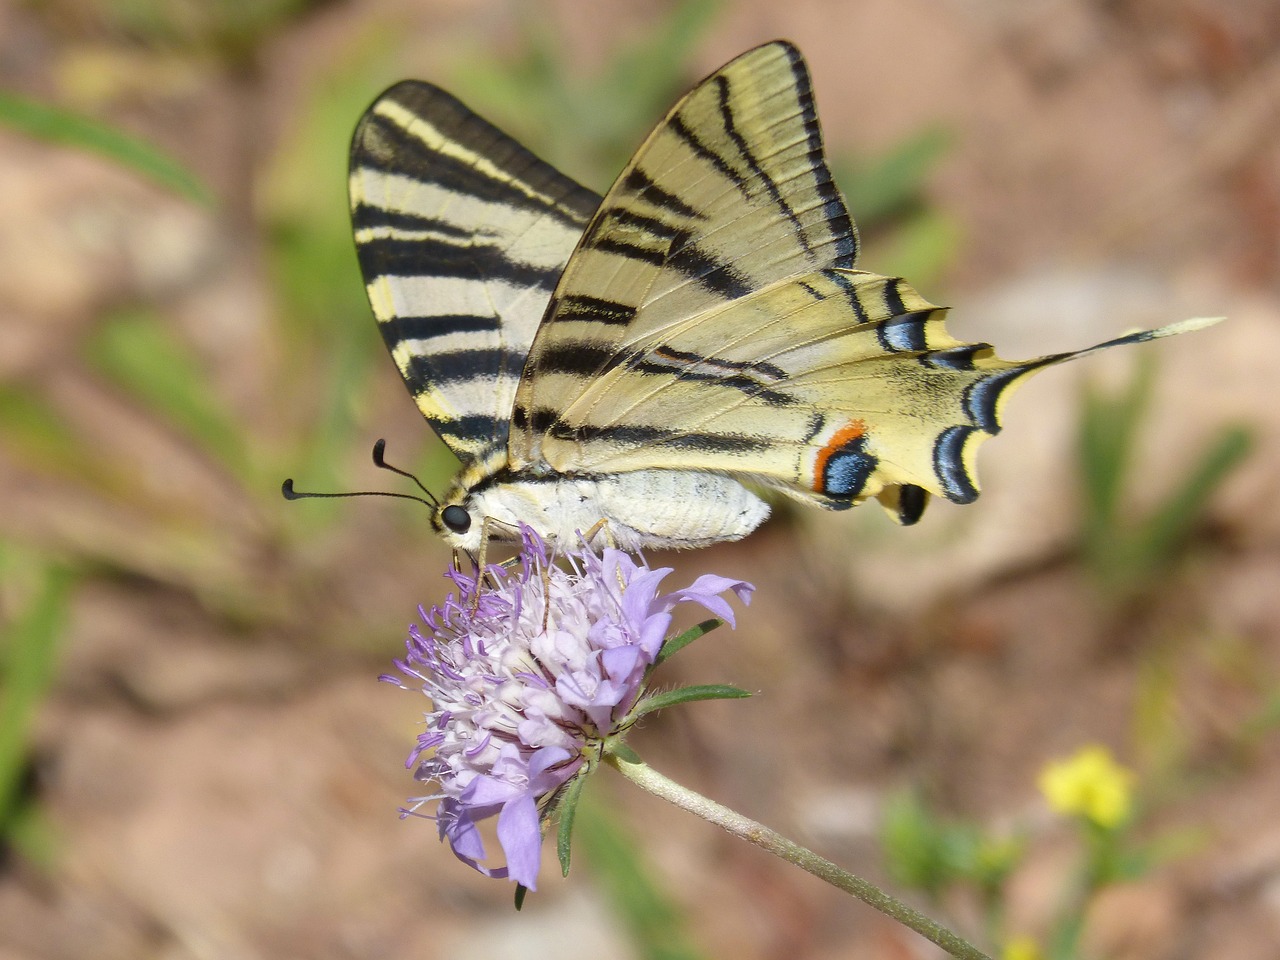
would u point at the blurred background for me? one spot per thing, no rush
(195, 758)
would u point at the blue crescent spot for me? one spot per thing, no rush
(948, 464)
(848, 468)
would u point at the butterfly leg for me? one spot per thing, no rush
(600, 528)
(482, 560)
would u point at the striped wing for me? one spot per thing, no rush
(729, 194)
(710, 320)
(834, 387)
(462, 234)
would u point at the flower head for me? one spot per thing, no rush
(527, 673)
(1022, 948)
(1089, 784)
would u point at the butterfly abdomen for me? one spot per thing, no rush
(640, 508)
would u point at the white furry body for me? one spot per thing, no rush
(642, 508)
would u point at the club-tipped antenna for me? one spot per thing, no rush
(379, 448)
(289, 493)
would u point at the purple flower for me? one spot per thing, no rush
(527, 674)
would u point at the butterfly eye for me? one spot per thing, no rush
(456, 518)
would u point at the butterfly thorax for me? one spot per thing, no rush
(641, 508)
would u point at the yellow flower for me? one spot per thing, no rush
(1089, 784)
(1021, 948)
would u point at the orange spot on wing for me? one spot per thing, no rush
(845, 435)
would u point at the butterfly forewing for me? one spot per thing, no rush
(462, 235)
(729, 194)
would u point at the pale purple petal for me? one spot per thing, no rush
(706, 591)
(520, 835)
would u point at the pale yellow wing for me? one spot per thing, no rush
(833, 387)
(462, 235)
(729, 194)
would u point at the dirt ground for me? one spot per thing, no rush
(217, 769)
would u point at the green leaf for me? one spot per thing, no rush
(566, 811)
(1125, 557)
(36, 431)
(56, 125)
(586, 126)
(924, 851)
(618, 748)
(920, 248)
(668, 698)
(675, 644)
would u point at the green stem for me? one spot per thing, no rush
(648, 778)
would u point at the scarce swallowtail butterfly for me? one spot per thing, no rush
(641, 358)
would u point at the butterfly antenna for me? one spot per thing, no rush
(289, 493)
(379, 448)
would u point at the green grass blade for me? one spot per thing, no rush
(653, 920)
(1172, 522)
(891, 184)
(59, 126)
(39, 435)
(137, 352)
(1109, 426)
(30, 656)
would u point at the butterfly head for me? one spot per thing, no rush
(474, 508)
(455, 520)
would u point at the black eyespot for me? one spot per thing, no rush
(911, 503)
(456, 518)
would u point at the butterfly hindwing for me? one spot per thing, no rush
(833, 387)
(462, 234)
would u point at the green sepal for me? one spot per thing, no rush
(566, 809)
(521, 890)
(703, 691)
(677, 643)
(615, 747)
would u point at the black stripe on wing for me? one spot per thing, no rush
(647, 190)
(462, 367)
(843, 233)
(429, 257)
(643, 435)
(581, 307)
(427, 328)
(757, 171)
(383, 144)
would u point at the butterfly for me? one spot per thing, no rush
(647, 357)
